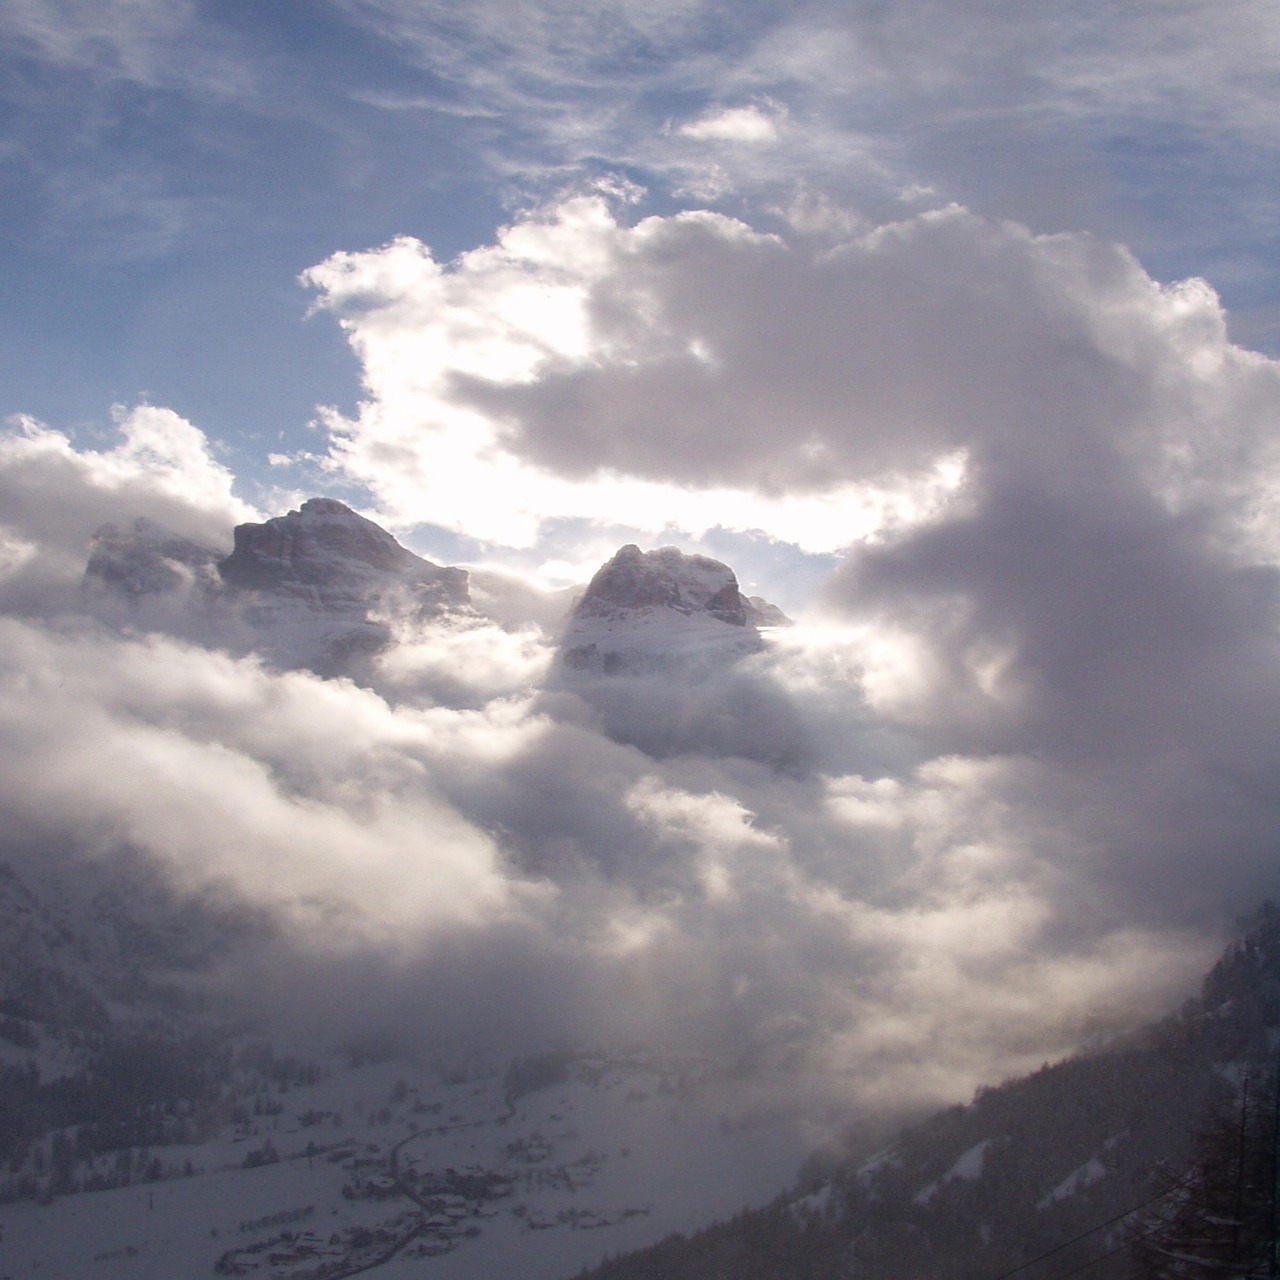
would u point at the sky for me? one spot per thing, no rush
(953, 329)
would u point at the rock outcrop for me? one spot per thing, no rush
(327, 554)
(635, 581)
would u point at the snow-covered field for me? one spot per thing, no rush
(448, 1170)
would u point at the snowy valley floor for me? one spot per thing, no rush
(614, 1154)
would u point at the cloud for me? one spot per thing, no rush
(55, 496)
(733, 124)
(138, 41)
(1029, 734)
(881, 98)
(484, 375)
(503, 873)
(689, 371)
(117, 36)
(1054, 477)
(500, 871)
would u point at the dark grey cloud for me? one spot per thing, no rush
(725, 357)
(1118, 648)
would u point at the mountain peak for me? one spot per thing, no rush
(322, 543)
(146, 559)
(668, 578)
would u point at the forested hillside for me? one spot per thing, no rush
(1041, 1176)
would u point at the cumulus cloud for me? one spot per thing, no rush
(54, 496)
(689, 371)
(1027, 733)
(571, 367)
(733, 124)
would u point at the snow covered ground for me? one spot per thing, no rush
(461, 1179)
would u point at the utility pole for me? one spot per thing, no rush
(1273, 1260)
(1239, 1205)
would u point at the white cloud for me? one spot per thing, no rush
(507, 848)
(563, 295)
(688, 371)
(500, 869)
(733, 124)
(54, 496)
(159, 452)
(224, 775)
(1030, 749)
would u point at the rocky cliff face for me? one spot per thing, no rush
(635, 581)
(326, 554)
(321, 586)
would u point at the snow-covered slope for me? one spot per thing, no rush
(667, 652)
(659, 611)
(1049, 1175)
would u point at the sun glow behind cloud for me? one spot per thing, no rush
(1013, 770)
(540, 303)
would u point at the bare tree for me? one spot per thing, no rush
(1219, 1217)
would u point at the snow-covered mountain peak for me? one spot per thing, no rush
(636, 581)
(659, 612)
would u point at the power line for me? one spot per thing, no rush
(1084, 1235)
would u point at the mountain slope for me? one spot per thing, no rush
(662, 646)
(978, 1191)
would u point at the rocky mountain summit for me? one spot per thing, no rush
(636, 581)
(658, 643)
(660, 647)
(316, 588)
(324, 588)
(662, 610)
(326, 554)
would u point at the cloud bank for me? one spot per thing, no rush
(1029, 723)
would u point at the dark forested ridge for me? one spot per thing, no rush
(1036, 1176)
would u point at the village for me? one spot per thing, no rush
(344, 1168)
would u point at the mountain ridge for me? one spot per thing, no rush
(319, 587)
